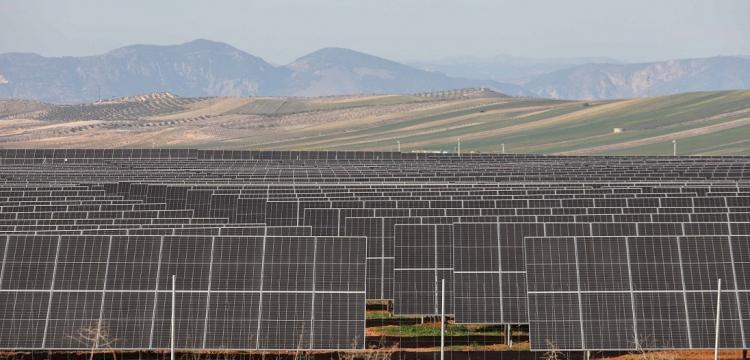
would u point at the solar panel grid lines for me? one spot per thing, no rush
(458, 271)
(692, 310)
(154, 308)
(713, 174)
(372, 228)
(684, 293)
(195, 291)
(98, 339)
(423, 259)
(744, 333)
(352, 194)
(51, 289)
(170, 229)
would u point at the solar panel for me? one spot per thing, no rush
(282, 289)
(486, 256)
(632, 293)
(423, 258)
(210, 209)
(380, 251)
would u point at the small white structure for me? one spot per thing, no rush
(617, 130)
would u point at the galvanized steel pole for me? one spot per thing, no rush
(442, 321)
(718, 320)
(171, 333)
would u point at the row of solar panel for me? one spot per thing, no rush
(631, 292)
(152, 175)
(412, 204)
(416, 233)
(494, 170)
(661, 217)
(72, 294)
(654, 343)
(249, 292)
(328, 220)
(129, 154)
(239, 154)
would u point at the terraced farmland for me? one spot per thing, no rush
(119, 110)
(705, 123)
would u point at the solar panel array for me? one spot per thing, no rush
(281, 249)
(638, 291)
(58, 289)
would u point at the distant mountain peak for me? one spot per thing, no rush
(199, 45)
(340, 71)
(340, 57)
(208, 45)
(335, 51)
(612, 81)
(204, 42)
(204, 67)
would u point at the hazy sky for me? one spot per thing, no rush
(282, 30)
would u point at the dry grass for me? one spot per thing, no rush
(680, 355)
(375, 122)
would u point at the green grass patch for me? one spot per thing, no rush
(434, 330)
(378, 315)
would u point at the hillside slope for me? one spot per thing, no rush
(703, 123)
(337, 71)
(505, 68)
(207, 68)
(620, 81)
(196, 68)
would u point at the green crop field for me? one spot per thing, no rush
(702, 123)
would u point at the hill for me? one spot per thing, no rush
(337, 71)
(505, 68)
(196, 68)
(704, 123)
(203, 68)
(613, 81)
(207, 68)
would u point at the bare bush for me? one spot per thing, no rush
(97, 338)
(553, 353)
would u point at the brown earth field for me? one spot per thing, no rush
(702, 123)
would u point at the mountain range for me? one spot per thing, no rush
(617, 81)
(603, 78)
(208, 68)
(505, 68)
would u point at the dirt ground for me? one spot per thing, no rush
(681, 355)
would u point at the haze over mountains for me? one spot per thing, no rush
(603, 78)
(207, 68)
(608, 81)
(505, 68)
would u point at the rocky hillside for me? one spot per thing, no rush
(203, 68)
(337, 71)
(196, 68)
(612, 81)
(206, 68)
